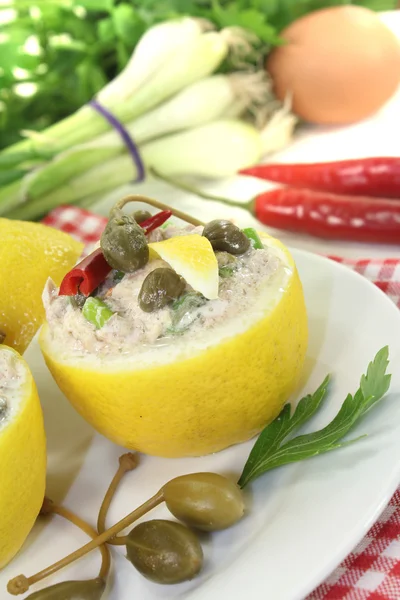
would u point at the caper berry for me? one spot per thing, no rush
(164, 551)
(92, 589)
(124, 243)
(161, 287)
(224, 235)
(207, 501)
(141, 215)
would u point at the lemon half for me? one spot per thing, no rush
(198, 396)
(29, 254)
(22, 453)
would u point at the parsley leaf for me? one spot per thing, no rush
(271, 451)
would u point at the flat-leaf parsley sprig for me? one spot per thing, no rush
(271, 449)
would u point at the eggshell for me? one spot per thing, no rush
(340, 65)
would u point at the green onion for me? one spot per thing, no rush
(96, 312)
(218, 149)
(198, 104)
(254, 238)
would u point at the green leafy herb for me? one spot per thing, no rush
(226, 271)
(55, 55)
(184, 312)
(271, 450)
(118, 276)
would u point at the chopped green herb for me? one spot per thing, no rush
(254, 238)
(118, 276)
(226, 271)
(271, 450)
(96, 312)
(78, 300)
(184, 312)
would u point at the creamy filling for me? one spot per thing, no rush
(131, 330)
(12, 378)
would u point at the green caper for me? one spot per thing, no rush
(161, 287)
(141, 215)
(92, 589)
(124, 243)
(207, 501)
(164, 551)
(224, 235)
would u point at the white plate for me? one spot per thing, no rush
(302, 519)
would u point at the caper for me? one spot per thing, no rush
(224, 235)
(164, 551)
(124, 243)
(161, 287)
(92, 589)
(207, 501)
(141, 215)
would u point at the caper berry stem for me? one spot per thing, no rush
(18, 583)
(21, 583)
(156, 204)
(186, 187)
(127, 462)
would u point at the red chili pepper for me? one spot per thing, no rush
(378, 176)
(329, 216)
(155, 221)
(92, 270)
(86, 276)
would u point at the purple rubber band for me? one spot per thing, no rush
(123, 132)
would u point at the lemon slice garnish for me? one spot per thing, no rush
(192, 257)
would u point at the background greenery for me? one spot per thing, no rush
(56, 54)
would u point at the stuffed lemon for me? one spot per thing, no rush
(30, 253)
(193, 340)
(22, 453)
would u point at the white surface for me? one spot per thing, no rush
(377, 136)
(301, 520)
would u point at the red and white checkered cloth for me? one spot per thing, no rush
(372, 570)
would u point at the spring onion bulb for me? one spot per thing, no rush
(215, 150)
(218, 149)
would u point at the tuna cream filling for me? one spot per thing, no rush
(248, 288)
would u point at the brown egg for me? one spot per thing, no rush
(340, 64)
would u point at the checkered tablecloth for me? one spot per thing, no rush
(372, 570)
